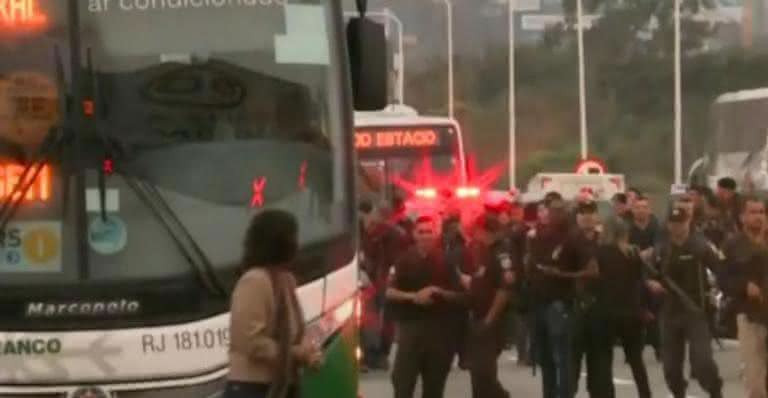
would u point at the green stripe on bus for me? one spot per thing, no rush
(339, 376)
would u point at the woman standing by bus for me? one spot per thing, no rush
(267, 346)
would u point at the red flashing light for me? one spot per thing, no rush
(88, 107)
(257, 200)
(467, 192)
(303, 176)
(426, 193)
(449, 193)
(108, 166)
(20, 13)
(591, 166)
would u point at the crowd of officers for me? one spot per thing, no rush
(574, 284)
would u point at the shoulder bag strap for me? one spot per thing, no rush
(280, 385)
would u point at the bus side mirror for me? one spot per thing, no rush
(367, 44)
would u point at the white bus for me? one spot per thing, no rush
(137, 139)
(739, 146)
(399, 143)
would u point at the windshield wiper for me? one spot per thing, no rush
(151, 197)
(186, 243)
(94, 89)
(49, 146)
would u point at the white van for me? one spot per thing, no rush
(569, 185)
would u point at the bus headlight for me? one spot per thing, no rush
(321, 330)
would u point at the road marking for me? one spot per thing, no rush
(623, 382)
(616, 381)
(687, 396)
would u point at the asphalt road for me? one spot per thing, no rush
(522, 383)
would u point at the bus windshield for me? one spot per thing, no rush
(739, 123)
(419, 154)
(174, 123)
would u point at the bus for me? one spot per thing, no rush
(137, 139)
(398, 147)
(739, 145)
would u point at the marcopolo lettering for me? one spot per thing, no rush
(30, 347)
(82, 308)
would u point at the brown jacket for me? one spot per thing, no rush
(253, 351)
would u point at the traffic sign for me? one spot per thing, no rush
(678, 189)
(590, 166)
(540, 22)
(527, 5)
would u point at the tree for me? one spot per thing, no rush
(629, 65)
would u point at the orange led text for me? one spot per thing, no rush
(10, 176)
(18, 13)
(396, 139)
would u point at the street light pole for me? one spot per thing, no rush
(400, 55)
(449, 23)
(582, 83)
(512, 98)
(678, 100)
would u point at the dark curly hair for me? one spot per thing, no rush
(271, 240)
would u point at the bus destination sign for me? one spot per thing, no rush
(20, 14)
(394, 139)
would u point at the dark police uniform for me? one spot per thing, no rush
(381, 244)
(426, 335)
(747, 262)
(621, 296)
(520, 312)
(552, 303)
(686, 266)
(644, 238)
(457, 257)
(716, 229)
(486, 341)
(590, 336)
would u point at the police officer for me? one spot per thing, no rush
(552, 295)
(381, 243)
(682, 262)
(399, 215)
(621, 206)
(745, 281)
(712, 223)
(645, 233)
(426, 296)
(697, 194)
(515, 231)
(457, 257)
(729, 199)
(643, 226)
(500, 212)
(488, 297)
(590, 335)
(621, 304)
